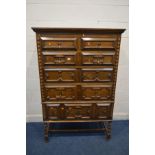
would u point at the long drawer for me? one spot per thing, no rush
(78, 74)
(87, 58)
(68, 111)
(85, 91)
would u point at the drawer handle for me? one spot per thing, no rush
(49, 43)
(68, 59)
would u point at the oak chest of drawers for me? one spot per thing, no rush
(78, 71)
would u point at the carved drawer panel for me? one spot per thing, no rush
(66, 92)
(104, 74)
(94, 58)
(60, 75)
(103, 111)
(94, 92)
(59, 58)
(59, 43)
(75, 111)
(53, 111)
(98, 43)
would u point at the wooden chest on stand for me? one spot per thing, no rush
(78, 71)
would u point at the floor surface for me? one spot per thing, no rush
(85, 143)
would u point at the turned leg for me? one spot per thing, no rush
(107, 127)
(46, 130)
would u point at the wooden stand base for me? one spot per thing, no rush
(105, 126)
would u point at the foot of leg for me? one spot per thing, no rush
(107, 126)
(46, 130)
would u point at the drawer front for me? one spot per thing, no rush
(96, 92)
(53, 112)
(59, 43)
(50, 58)
(92, 58)
(78, 111)
(98, 43)
(61, 93)
(75, 111)
(103, 111)
(97, 75)
(60, 75)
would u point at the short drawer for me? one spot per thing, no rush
(64, 92)
(67, 111)
(104, 74)
(95, 58)
(96, 92)
(60, 75)
(59, 58)
(98, 43)
(103, 111)
(59, 43)
(53, 112)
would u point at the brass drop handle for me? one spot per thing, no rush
(68, 58)
(88, 43)
(49, 43)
